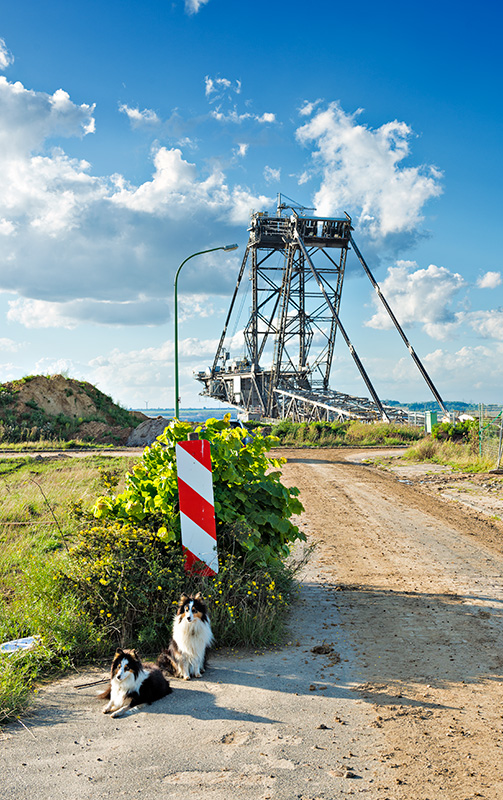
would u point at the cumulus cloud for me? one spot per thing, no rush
(28, 118)
(127, 372)
(489, 281)
(267, 117)
(481, 366)
(79, 247)
(420, 297)
(362, 172)
(469, 371)
(488, 324)
(176, 190)
(138, 118)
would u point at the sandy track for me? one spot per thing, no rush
(419, 586)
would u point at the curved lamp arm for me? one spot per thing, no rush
(225, 247)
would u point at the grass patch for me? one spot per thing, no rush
(50, 444)
(37, 523)
(341, 434)
(460, 457)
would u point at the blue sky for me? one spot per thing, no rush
(132, 135)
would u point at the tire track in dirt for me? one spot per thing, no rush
(420, 593)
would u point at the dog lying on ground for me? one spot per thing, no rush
(132, 684)
(186, 655)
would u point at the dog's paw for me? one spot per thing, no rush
(186, 677)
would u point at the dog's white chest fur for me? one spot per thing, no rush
(192, 639)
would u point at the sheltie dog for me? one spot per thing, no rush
(132, 684)
(186, 655)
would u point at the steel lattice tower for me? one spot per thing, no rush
(296, 272)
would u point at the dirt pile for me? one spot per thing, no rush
(56, 407)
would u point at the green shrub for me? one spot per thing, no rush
(465, 432)
(247, 490)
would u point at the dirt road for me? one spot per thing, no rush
(418, 582)
(389, 687)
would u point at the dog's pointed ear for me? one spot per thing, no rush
(119, 651)
(135, 653)
(198, 596)
(183, 598)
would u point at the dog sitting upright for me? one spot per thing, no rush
(192, 636)
(132, 684)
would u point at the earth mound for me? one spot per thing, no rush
(55, 407)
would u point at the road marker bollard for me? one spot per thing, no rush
(197, 507)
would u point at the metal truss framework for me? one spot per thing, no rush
(296, 266)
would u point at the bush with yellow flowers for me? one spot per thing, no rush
(128, 567)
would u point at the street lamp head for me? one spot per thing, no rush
(230, 247)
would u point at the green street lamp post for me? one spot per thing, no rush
(225, 247)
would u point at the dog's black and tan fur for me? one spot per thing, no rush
(132, 683)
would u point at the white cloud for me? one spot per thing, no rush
(139, 118)
(475, 368)
(220, 92)
(9, 345)
(80, 247)
(127, 373)
(237, 119)
(242, 149)
(6, 57)
(194, 306)
(38, 314)
(146, 311)
(489, 281)
(193, 6)
(175, 190)
(272, 175)
(361, 172)
(216, 89)
(6, 227)
(420, 297)
(58, 366)
(267, 117)
(28, 118)
(307, 108)
(465, 374)
(488, 324)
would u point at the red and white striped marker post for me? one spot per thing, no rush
(197, 508)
